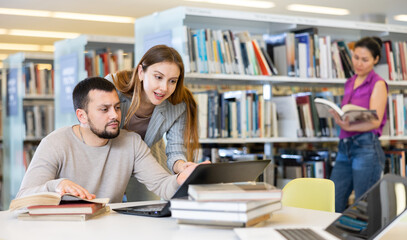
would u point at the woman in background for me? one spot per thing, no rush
(360, 158)
(154, 102)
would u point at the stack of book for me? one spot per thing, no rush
(227, 204)
(50, 206)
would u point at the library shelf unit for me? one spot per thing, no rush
(14, 98)
(204, 78)
(170, 27)
(69, 64)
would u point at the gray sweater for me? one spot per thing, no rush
(104, 171)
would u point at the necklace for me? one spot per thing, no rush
(80, 132)
(139, 115)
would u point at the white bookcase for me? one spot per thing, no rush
(69, 66)
(168, 27)
(13, 119)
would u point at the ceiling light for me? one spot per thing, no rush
(93, 17)
(401, 18)
(46, 34)
(26, 47)
(67, 15)
(25, 12)
(317, 9)
(240, 3)
(47, 48)
(3, 31)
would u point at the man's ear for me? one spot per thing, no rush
(140, 73)
(82, 116)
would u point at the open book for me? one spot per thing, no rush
(49, 198)
(353, 112)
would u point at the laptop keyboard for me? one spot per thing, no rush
(299, 234)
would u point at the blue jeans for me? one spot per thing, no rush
(359, 165)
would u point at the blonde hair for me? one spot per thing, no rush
(128, 83)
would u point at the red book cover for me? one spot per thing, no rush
(260, 59)
(105, 60)
(388, 50)
(65, 208)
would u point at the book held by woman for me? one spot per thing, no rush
(353, 112)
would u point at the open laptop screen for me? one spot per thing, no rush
(374, 211)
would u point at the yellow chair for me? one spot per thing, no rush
(311, 193)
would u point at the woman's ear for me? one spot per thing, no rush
(376, 60)
(140, 73)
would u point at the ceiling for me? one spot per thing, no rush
(138, 8)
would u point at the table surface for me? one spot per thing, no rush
(114, 225)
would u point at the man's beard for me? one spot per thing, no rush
(104, 134)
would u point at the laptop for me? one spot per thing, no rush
(203, 174)
(370, 217)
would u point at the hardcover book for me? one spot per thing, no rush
(63, 217)
(354, 113)
(234, 206)
(233, 191)
(225, 216)
(49, 198)
(220, 223)
(80, 207)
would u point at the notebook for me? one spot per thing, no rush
(370, 217)
(203, 174)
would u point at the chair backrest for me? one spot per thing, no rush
(311, 193)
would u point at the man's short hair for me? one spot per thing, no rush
(82, 89)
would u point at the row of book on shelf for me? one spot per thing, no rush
(234, 114)
(395, 162)
(245, 113)
(393, 64)
(295, 163)
(318, 163)
(38, 119)
(101, 62)
(39, 79)
(396, 122)
(227, 204)
(302, 53)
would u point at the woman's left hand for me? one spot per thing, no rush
(184, 174)
(344, 124)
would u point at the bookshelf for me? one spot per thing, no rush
(171, 27)
(23, 83)
(72, 66)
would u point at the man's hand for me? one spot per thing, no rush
(181, 165)
(67, 186)
(182, 176)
